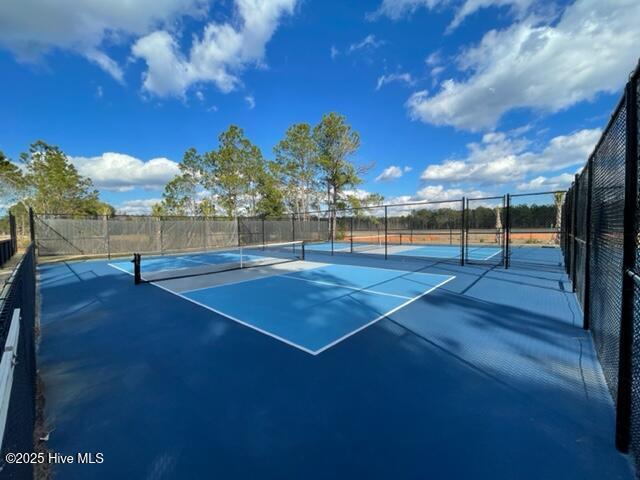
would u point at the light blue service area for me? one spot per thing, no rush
(321, 306)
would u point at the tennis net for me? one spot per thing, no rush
(153, 268)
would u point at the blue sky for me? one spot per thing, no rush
(450, 97)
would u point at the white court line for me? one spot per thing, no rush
(290, 343)
(226, 315)
(190, 260)
(330, 284)
(118, 268)
(335, 342)
(486, 258)
(235, 282)
(319, 265)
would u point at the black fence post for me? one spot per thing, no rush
(385, 232)
(586, 308)
(293, 227)
(107, 238)
(507, 230)
(13, 233)
(238, 230)
(462, 230)
(625, 363)
(503, 232)
(264, 238)
(161, 220)
(32, 226)
(574, 231)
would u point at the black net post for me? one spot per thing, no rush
(507, 229)
(137, 278)
(385, 231)
(264, 238)
(623, 404)
(462, 231)
(351, 233)
(332, 226)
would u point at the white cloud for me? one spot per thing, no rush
(438, 193)
(501, 159)
(560, 182)
(217, 56)
(435, 71)
(445, 198)
(137, 207)
(358, 193)
(433, 59)
(99, 92)
(392, 173)
(398, 9)
(120, 172)
(547, 67)
(367, 42)
(394, 77)
(334, 52)
(31, 28)
(518, 8)
(251, 102)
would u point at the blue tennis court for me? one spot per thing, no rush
(361, 367)
(312, 309)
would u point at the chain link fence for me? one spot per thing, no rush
(600, 246)
(8, 240)
(18, 366)
(485, 227)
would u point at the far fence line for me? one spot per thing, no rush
(531, 219)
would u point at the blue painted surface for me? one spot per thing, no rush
(451, 252)
(315, 308)
(431, 251)
(326, 246)
(489, 377)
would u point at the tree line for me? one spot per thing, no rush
(311, 168)
(48, 183)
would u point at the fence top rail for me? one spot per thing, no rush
(435, 202)
(499, 197)
(126, 215)
(537, 193)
